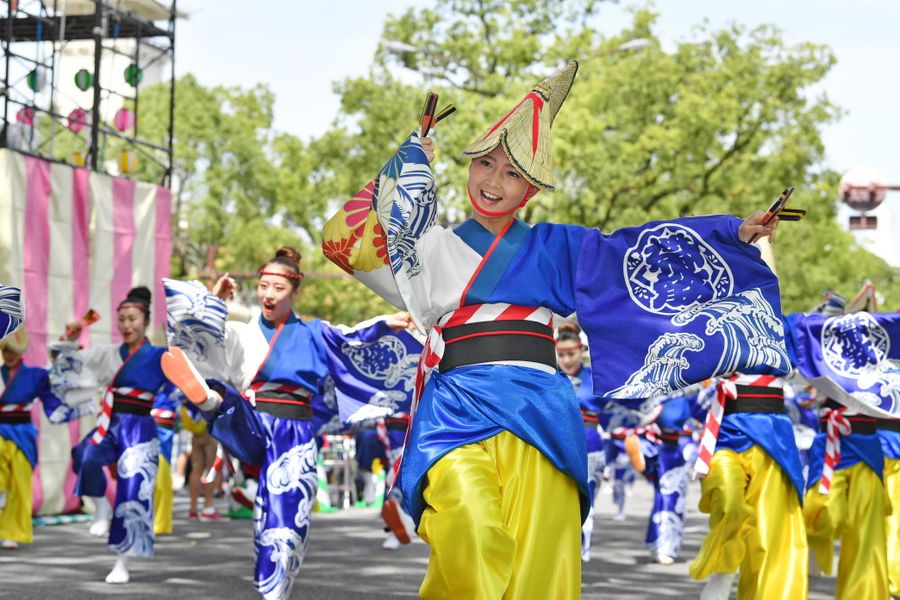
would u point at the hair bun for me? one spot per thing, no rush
(140, 293)
(288, 253)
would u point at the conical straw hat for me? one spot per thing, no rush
(524, 132)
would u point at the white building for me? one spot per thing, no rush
(882, 239)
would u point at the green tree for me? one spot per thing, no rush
(720, 124)
(245, 190)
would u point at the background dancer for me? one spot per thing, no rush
(619, 420)
(752, 490)
(278, 362)
(391, 432)
(852, 508)
(125, 432)
(203, 454)
(20, 386)
(570, 354)
(846, 499)
(669, 451)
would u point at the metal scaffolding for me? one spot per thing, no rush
(39, 36)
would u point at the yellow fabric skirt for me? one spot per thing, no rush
(502, 522)
(163, 498)
(15, 480)
(854, 513)
(755, 527)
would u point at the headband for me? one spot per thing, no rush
(141, 306)
(292, 276)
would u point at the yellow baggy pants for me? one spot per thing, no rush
(854, 513)
(502, 522)
(15, 480)
(756, 527)
(163, 498)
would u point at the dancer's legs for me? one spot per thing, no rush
(502, 522)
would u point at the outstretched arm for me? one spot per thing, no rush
(375, 235)
(58, 411)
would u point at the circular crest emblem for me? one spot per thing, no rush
(853, 344)
(671, 268)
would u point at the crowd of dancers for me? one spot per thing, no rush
(497, 416)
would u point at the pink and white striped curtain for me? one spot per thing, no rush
(72, 240)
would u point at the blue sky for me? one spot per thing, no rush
(299, 48)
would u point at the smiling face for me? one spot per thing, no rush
(568, 355)
(495, 186)
(275, 294)
(132, 324)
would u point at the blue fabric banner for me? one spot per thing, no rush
(673, 303)
(858, 352)
(374, 379)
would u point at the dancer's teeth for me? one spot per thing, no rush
(489, 196)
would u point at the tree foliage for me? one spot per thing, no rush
(720, 124)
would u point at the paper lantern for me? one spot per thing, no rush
(128, 161)
(124, 119)
(84, 80)
(77, 120)
(25, 116)
(133, 75)
(36, 80)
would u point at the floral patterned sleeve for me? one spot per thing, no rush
(374, 236)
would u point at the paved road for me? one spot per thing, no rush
(204, 560)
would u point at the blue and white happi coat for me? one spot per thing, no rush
(130, 440)
(297, 353)
(663, 305)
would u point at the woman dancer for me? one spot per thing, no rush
(21, 385)
(570, 354)
(495, 455)
(278, 362)
(125, 432)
